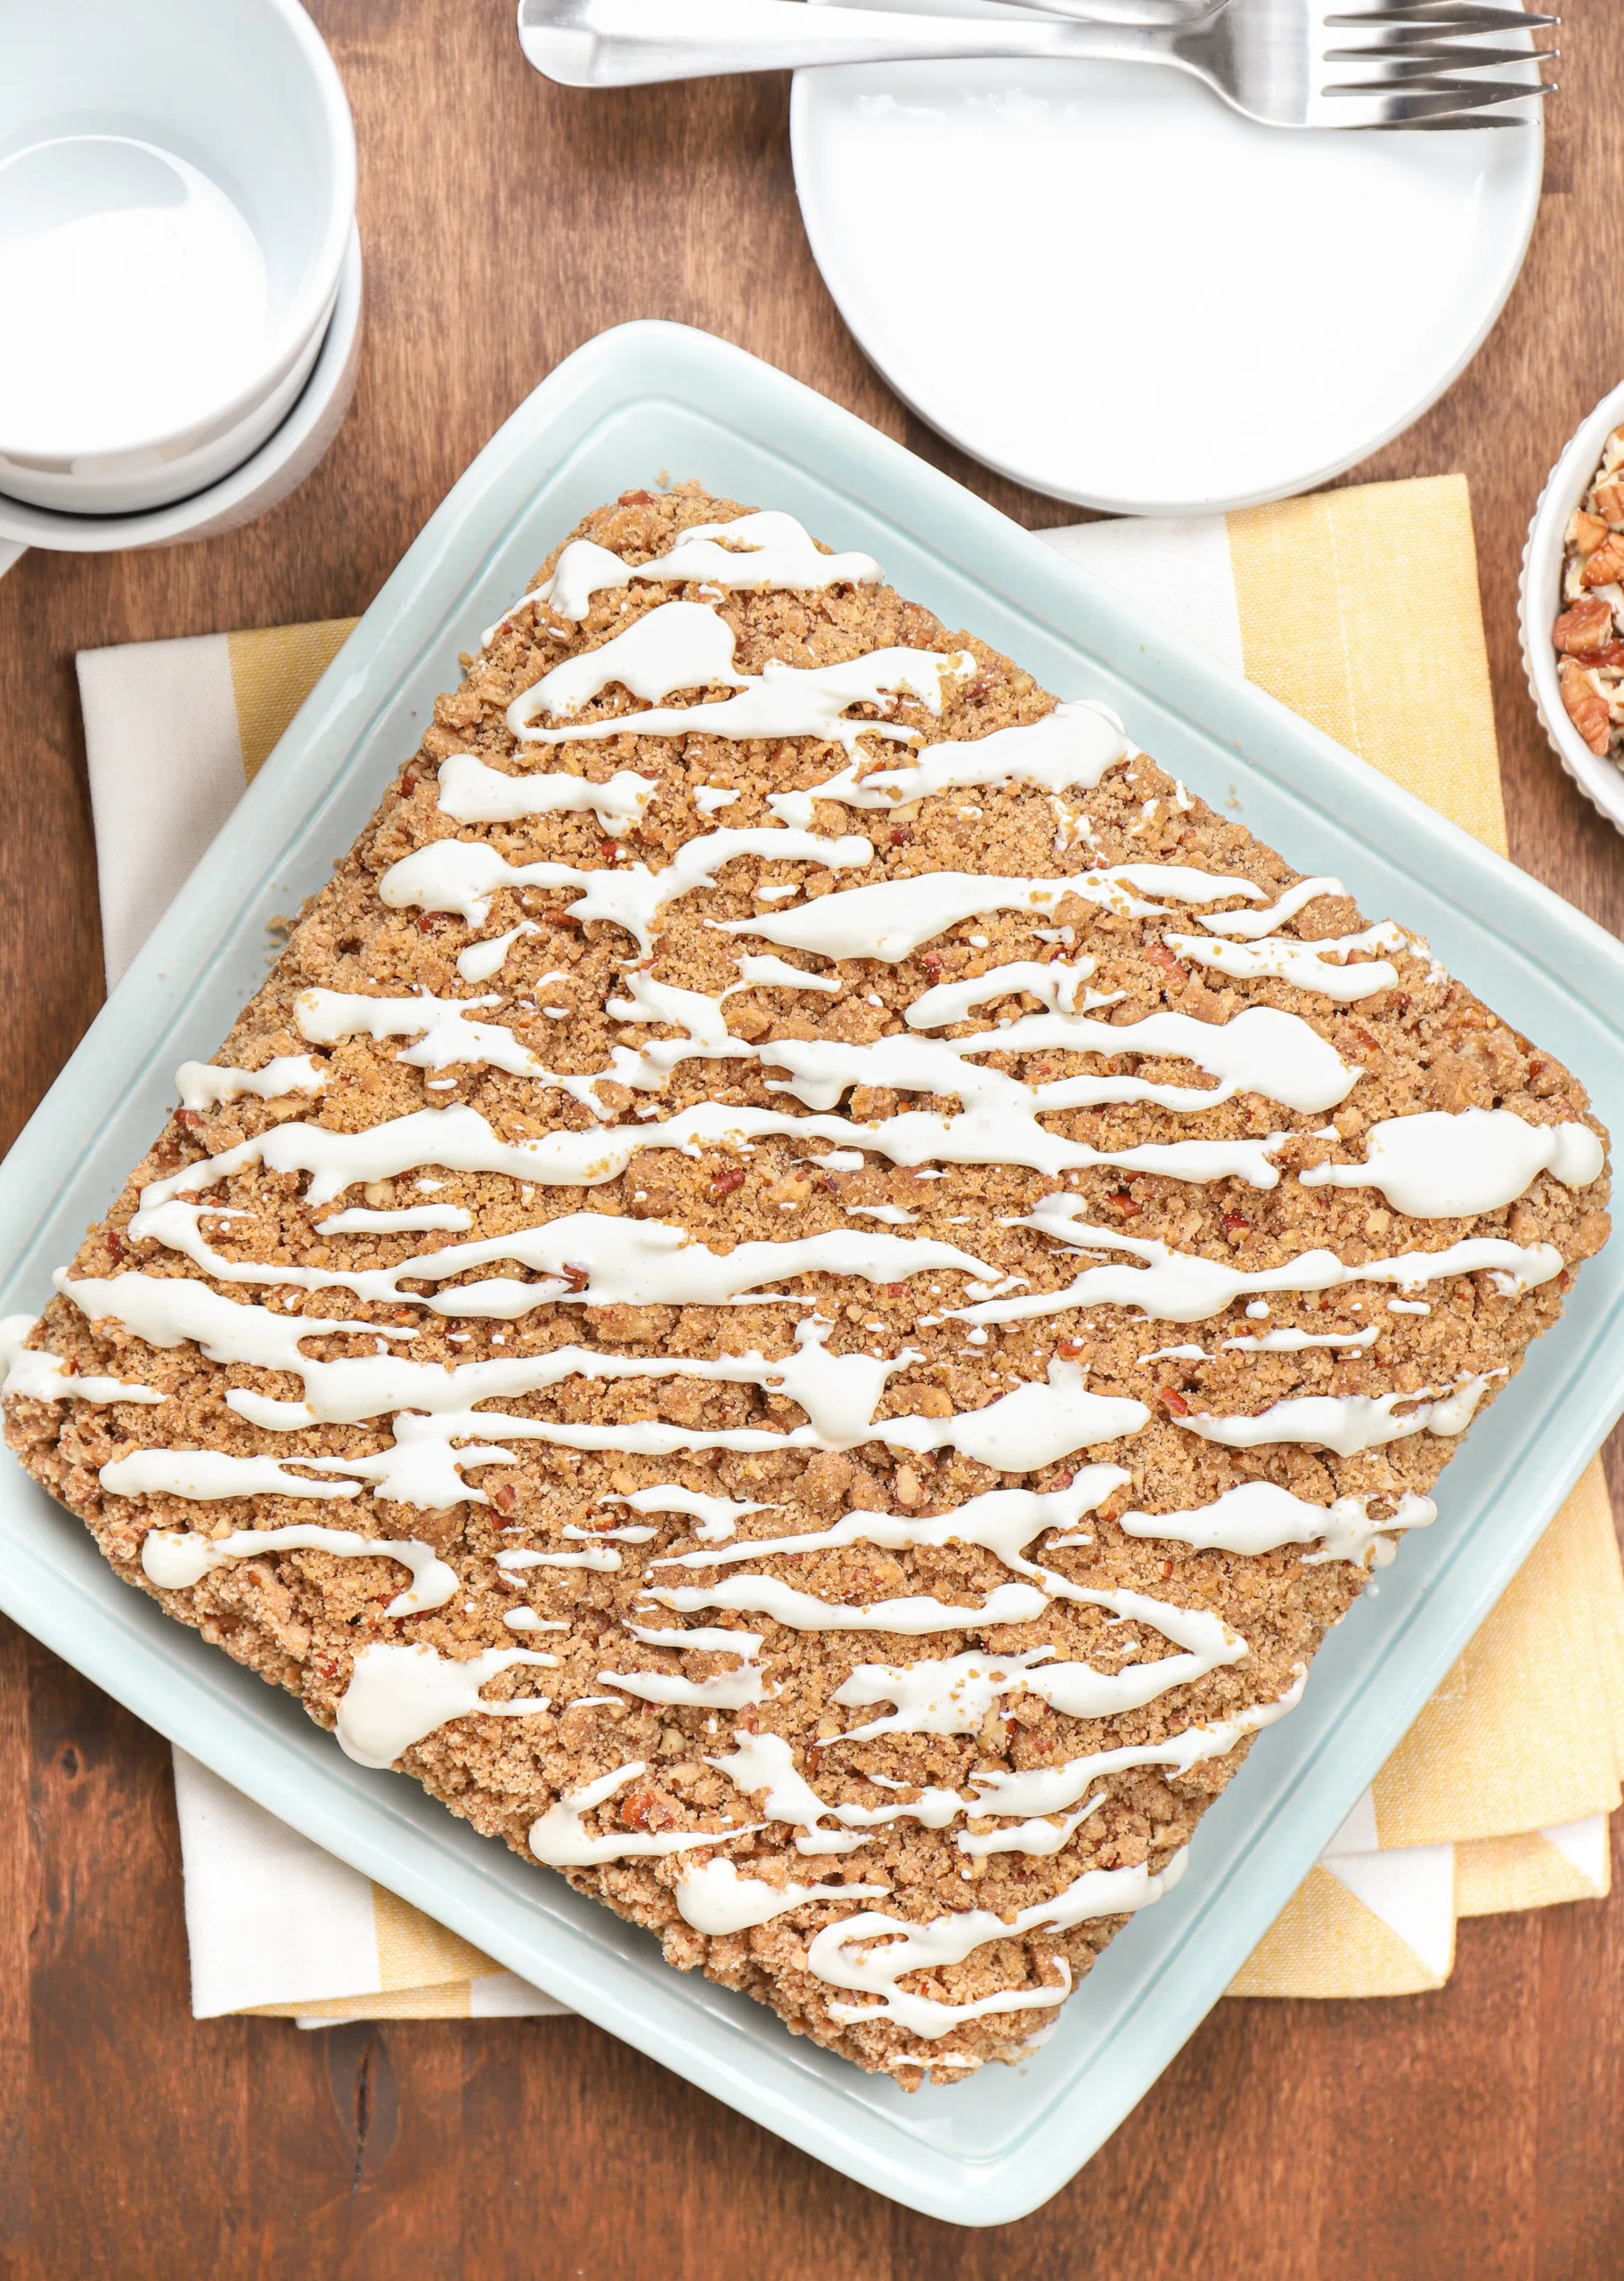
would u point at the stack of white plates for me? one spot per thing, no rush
(179, 264)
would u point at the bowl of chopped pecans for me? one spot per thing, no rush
(1570, 607)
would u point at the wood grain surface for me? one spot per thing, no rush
(1475, 2132)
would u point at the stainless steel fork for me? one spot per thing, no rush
(1283, 63)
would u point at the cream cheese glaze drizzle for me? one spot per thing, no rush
(201, 1084)
(175, 1562)
(560, 1836)
(43, 1376)
(891, 919)
(687, 645)
(1305, 965)
(869, 1953)
(768, 548)
(1443, 1165)
(714, 1897)
(399, 1695)
(464, 875)
(1069, 749)
(459, 1139)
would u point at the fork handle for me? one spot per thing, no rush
(635, 43)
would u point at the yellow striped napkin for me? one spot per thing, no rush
(1500, 1796)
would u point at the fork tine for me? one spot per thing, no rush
(1451, 123)
(1501, 12)
(1444, 17)
(1432, 52)
(1416, 106)
(1425, 82)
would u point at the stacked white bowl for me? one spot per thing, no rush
(177, 249)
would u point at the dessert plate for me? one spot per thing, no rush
(1103, 283)
(640, 399)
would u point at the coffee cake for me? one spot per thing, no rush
(809, 1286)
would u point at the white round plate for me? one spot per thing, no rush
(1102, 282)
(278, 467)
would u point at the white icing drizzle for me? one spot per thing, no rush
(1289, 1340)
(1071, 747)
(999, 1521)
(721, 1690)
(593, 1257)
(44, 1376)
(869, 1953)
(714, 1898)
(202, 1476)
(768, 548)
(715, 1518)
(890, 919)
(447, 1038)
(1054, 982)
(176, 1562)
(915, 1613)
(560, 1839)
(598, 1558)
(1259, 1517)
(680, 645)
(203, 1085)
(473, 792)
(1184, 1287)
(1054, 1789)
(1346, 1423)
(766, 972)
(953, 1695)
(687, 645)
(1039, 1837)
(1252, 924)
(1260, 1049)
(463, 875)
(763, 1766)
(481, 960)
(409, 1220)
(1306, 966)
(397, 1696)
(1453, 1165)
(459, 1139)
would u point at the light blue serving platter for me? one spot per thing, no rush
(639, 401)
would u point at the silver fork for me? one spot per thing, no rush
(1283, 63)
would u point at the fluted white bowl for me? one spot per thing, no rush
(1539, 602)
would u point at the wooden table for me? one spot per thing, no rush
(1474, 2133)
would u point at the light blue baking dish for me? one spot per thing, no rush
(641, 400)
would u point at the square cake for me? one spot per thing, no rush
(808, 1286)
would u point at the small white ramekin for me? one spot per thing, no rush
(245, 91)
(1540, 604)
(268, 475)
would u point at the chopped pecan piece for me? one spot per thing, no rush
(1584, 532)
(1607, 562)
(1584, 628)
(1586, 707)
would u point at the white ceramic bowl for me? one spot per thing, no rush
(282, 462)
(1539, 602)
(211, 140)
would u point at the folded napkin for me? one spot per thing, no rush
(1498, 1798)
